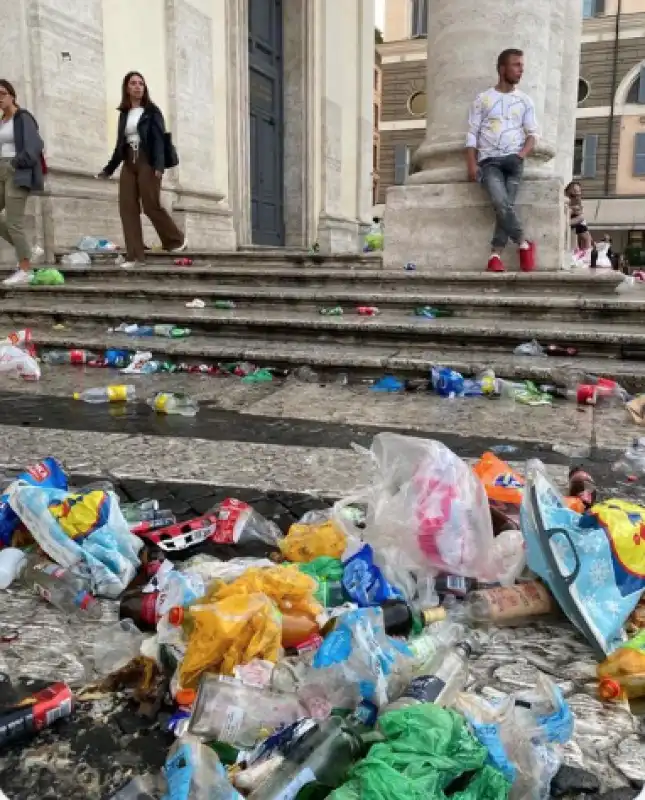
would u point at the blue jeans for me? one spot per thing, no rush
(501, 177)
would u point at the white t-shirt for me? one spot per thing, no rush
(7, 142)
(131, 132)
(500, 122)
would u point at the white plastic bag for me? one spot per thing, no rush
(426, 509)
(76, 259)
(17, 361)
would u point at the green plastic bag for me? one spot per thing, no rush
(47, 277)
(259, 376)
(426, 749)
(326, 571)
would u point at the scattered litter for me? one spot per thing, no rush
(410, 267)
(258, 376)
(430, 312)
(224, 304)
(183, 262)
(76, 259)
(374, 239)
(388, 383)
(117, 393)
(532, 348)
(174, 403)
(90, 244)
(57, 357)
(636, 409)
(16, 360)
(367, 311)
(336, 311)
(334, 660)
(504, 449)
(196, 303)
(47, 277)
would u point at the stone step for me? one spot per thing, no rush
(269, 257)
(363, 278)
(403, 300)
(357, 360)
(389, 330)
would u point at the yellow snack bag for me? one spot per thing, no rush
(307, 541)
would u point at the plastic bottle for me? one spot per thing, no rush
(174, 403)
(170, 331)
(117, 393)
(298, 630)
(508, 605)
(446, 677)
(367, 311)
(69, 357)
(35, 713)
(224, 304)
(402, 619)
(141, 608)
(582, 485)
(632, 461)
(11, 562)
(324, 756)
(621, 675)
(60, 587)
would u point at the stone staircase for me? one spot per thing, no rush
(277, 322)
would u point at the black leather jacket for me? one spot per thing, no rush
(151, 129)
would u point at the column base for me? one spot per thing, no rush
(448, 227)
(338, 234)
(206, 221)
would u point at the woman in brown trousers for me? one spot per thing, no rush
(140, 146)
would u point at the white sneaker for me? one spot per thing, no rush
(131, 264)
(19, 278)
(182, 248)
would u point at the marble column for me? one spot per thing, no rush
(438, 219)
(569, 89)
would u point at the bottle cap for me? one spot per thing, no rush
(466, 647)
(431, 615)
(76, 396)
(609, 689)
(185, 697)
(176, 615)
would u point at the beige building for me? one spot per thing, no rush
(270, 104)
(609, 154)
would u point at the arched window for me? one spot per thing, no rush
(419, 18)
(636, 93)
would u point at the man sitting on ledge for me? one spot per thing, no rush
(502, 132)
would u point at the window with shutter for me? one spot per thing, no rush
(419, 18)
(401, 163)
(589, 155)
(639, 155)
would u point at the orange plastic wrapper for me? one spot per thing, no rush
(291, 590)
(229, 632)
(307, 541)
(504, 487)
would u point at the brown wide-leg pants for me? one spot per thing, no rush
(140, 187)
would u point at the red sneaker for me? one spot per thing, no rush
(527, 258)
(495, 264)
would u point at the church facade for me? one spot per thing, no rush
(269, 103)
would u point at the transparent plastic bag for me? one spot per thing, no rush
(425, 508)
(17, 361)
(117, 646)
(76, 259)
(194, 772)
(523, 733)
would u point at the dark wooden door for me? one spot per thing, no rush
(266, 123)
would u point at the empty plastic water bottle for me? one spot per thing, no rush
(174, 403)
(68, 357)
(107, 394)
(61, 587)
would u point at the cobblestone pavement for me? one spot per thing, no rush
(286, 449)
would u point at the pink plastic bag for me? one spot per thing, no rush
(427, 509)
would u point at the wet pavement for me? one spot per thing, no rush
(286, 448)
